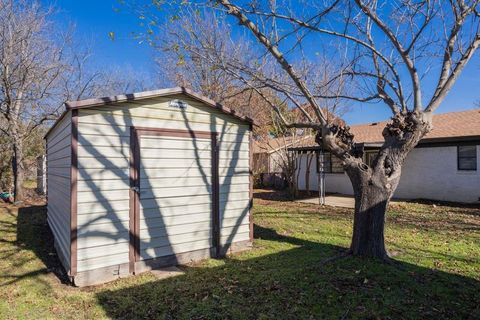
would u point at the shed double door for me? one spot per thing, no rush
(174, 192)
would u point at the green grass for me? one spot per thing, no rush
(30, 184)
(437, 275)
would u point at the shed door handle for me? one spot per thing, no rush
(136, 189)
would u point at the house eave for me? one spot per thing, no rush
(424, 143)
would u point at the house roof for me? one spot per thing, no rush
(89, 103)
(275, 144)
(446, 126)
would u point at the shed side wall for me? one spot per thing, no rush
(58, 144)
(103, 175)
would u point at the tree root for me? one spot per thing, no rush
(337, 257)
(386, 259)
(392, 262)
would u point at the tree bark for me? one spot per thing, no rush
(373, 186)
(369, 221)
(18, 170)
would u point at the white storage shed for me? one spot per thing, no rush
(147, 180)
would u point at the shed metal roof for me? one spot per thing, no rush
(95, 102)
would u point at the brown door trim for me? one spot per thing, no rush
(215, 198)
(134, 199)
(250, 180)
(172, 132)
(73, 193)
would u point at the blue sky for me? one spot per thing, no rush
(94, 19)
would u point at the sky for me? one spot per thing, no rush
(94, 19)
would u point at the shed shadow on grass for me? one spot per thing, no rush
(33, 234)
(294, 283)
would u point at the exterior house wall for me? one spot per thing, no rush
(428, 173)
(269, 168)
(302, 170)
(266, 162)
(276, 161)
(260, 162)
(431, 173)
(58, 146)
(103, 173)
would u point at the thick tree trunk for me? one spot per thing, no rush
(369, 220)
(18, 171)
(374, 184)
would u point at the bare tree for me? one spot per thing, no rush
(40, 69)
(30, 66)
(281, 159)
(5, 159)
(380, 52)
(196, 49)
(182, 45)
(388, 48)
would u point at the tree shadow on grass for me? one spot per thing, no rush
(33, 234)
(272, 195)
(284, 277)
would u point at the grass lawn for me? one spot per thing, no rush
(438, 274)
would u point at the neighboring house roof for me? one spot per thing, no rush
(89, 103)
(275, 144)
(298, 141)
(446, 126)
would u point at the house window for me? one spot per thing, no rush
(369, 157)
(326, 164)
(331, 164)
(337, 165)
(467, 157)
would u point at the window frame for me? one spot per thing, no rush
(459, 158)
(370, 155)
(329, 168)
(342, 171)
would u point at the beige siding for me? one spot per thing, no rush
(174, 232)
(58, 186)
(103, 179)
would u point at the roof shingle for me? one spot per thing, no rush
(445, 125)
(458, 124)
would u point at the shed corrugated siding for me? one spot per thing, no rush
(164, 228)
(103, 177)
(58, 186)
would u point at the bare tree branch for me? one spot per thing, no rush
(344, 35)
(417, 90)
(447, 84)
(235, 11)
